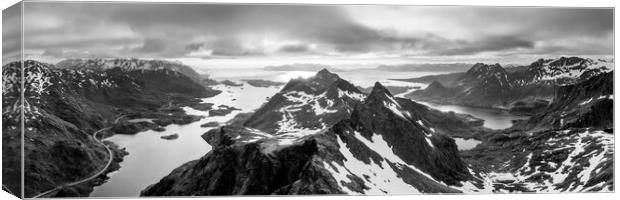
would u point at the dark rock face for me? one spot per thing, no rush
(410, 135)
(353, 155)
(237, 168)
(64, 106)
(585, 104)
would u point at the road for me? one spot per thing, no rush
(8, 190)
(110, 156)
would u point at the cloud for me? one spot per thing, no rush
(486, 45)
(294, 48)
(53, 52)
(11, 37)
(237, 31)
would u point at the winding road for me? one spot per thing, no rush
(8, 190)
(110, 156)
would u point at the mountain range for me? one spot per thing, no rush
(523, 91)
(321, 135)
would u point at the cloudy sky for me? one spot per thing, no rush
(258, 35)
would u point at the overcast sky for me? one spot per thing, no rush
(259, 35)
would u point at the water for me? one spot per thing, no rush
(362, 77)
(151, 158)
(466, 144)
(493, 118)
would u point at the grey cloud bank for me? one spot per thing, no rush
(218, 31)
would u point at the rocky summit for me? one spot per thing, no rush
(307, 104)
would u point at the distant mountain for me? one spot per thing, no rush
(484, 81)
(330, 139)
(426, 67)
(130, 64)
(65, 106)
(482, 85)
(300, 67)
(523, 91)
(443, 79)
(562, 70)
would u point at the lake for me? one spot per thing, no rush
(466, 144)
(151, 158)
(493, 118)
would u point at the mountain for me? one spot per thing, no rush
(379, 144)
(562, 70)
(307, 104)
(444, 79)
(483, 81)
(586, 104)
(481, 85)
(300, 67)
(426, 67)
(130, 64)
(65, 106)
(568, 147)
(11, 127)
(524, 91)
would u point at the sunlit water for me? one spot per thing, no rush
(493, 118)
(362, 77)
(151, 158)
(466, 144)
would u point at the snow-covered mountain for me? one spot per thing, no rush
(562, 70)
(63, 106)
(340, 142)
(525, 91)
(307, 104)
(129, 64)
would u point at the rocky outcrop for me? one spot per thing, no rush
(237, 166)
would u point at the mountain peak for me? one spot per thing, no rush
(380, 89)
(481, 68)
(379, 94)
(436, 85)
(326, 74)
